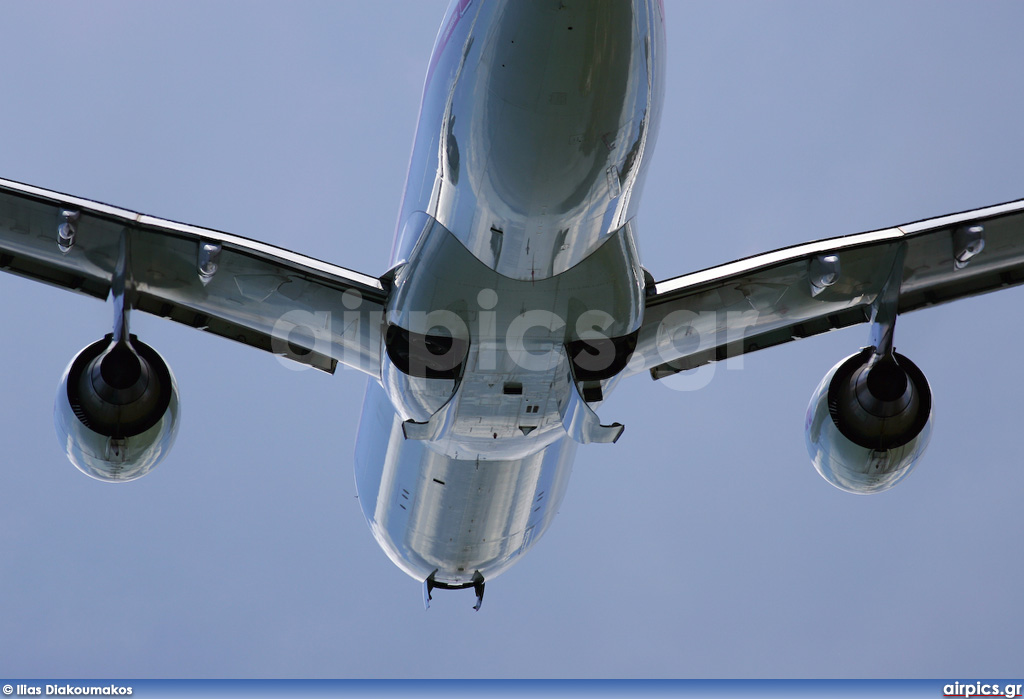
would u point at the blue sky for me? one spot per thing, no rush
(703, 544)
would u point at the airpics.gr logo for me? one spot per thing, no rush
(979, 689)
(305, 338)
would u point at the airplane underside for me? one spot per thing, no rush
(504, 333)
(514, 300)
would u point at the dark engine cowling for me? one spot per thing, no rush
(869, 422)
(116, 409)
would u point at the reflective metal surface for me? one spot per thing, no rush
(525, 173)
(535, 120)
(273, 299)
(66, 231)
(115, 455)
(430, 512)
(517, 333)
(852, 466)
(968, 241)
(209, 261)
(767, 299)
(515, 298)
(823, 272)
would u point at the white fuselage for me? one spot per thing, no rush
(514, 244)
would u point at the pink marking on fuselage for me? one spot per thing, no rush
(446, 34)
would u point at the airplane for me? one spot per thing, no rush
(494, 334)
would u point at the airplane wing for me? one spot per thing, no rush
(808, 289)
(273, 299)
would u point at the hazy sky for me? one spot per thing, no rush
(702, 544)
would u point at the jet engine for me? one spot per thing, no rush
(869, 421)
(116, 409)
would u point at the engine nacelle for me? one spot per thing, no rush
(869, 422)
(116, 410)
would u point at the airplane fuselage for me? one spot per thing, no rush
(516, 284)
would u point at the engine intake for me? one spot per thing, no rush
(116, 409)
(869, 421)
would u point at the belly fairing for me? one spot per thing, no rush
(514, 388)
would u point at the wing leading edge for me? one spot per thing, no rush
(322, 314)
(808, 289)
(263, 296)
